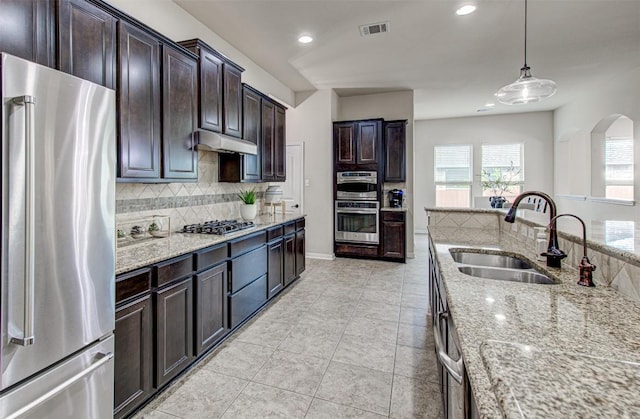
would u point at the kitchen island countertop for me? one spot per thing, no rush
(533, 350)
(137, 256)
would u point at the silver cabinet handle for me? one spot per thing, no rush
(453, 367)
(28, 337)
(102, 358)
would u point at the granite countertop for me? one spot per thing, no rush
(395, 209)
(535, 350)
(137, 256)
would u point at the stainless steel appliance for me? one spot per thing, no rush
(357, 222)
(396, 198)
(219, 227)
(58, 255)
(357, 185)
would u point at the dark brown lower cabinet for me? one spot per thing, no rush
(300, 264)
(275, 272)
(174, 330)
(289, 258)
(212, 322)
(393, 235)
(246, 301)
(133, 355)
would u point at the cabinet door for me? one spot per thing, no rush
(275, 278)
(280, 146)
(133, 373)
(174, 330)
(268, 130)
(138, 103)
(86, 42)
(344, 142)
(393, 233)
(212, 322)
(232, 101)
(367, 142)
(179, 115)
(289, 245)
(300, 251)
(27, 30)
(251, 129)
(211, 69)
(394, 151)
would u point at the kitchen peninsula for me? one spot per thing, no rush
(535, 350)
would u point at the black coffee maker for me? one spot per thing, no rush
(396, 198)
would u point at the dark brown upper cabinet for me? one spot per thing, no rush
(268, 132)
(232, 109)
(357, 144)
(27, 30)
(179, 114)
(394, 151)
(280, 145)
(86, 42)
(139, 108)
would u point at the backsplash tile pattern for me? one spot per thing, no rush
(185, 203)
(612, 270)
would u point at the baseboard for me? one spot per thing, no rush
(322, 256)
(411, 255)
(421, 231)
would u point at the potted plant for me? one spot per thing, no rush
(499, 181)
(249, 209)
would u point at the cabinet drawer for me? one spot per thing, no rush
(393, 216)
(248, 267)
(167, 271)
(210, 256)
(132, 283)
(274, 232)
(300, 224)
(248, 300)
(290, 227)
(246, 243)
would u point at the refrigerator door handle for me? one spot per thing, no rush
(102, 358)
(28, 337)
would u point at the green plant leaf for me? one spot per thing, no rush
(248, 197)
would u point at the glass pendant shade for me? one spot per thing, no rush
(527, 89)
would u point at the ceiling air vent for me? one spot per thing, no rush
(374, 28)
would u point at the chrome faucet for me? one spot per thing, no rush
(586, 267)
(554, 254)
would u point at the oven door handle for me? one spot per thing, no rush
(453, 367)
(356, 212)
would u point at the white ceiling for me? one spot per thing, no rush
(454, 64)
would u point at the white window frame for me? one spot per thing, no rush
(520, 182)
(467, 183)
(617, 182)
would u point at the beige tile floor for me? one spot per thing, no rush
(347, 340)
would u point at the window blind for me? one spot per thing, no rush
(452, 163)
(501, 156)
(618, 157)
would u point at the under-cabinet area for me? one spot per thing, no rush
(172, 312)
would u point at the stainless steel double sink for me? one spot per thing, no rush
(501, 267)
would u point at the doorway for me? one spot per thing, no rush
(293, 188)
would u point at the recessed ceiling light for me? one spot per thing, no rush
(466, 9)
(489, 105)
(305, 39)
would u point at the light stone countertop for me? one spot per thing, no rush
(137, 256)
(547, 351)
(394, 209)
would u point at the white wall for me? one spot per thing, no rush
(573, 124)
(310, 122)
(173, 22)
(534, 129)
(390, 106)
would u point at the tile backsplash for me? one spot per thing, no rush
(185, 203)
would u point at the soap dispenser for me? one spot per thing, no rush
(541, 243)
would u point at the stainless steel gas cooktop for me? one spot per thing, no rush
(219, 227)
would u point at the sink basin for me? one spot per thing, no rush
(483, 259)
(516, 275)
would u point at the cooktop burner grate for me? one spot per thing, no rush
(219, 227)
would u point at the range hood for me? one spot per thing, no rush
(213, 141)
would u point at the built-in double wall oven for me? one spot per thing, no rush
(357, 207)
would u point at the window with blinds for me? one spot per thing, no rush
(618, 172)
(452, 174)
(504, 162)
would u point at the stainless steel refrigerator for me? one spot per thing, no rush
(58, 254)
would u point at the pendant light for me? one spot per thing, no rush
(526, 89)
